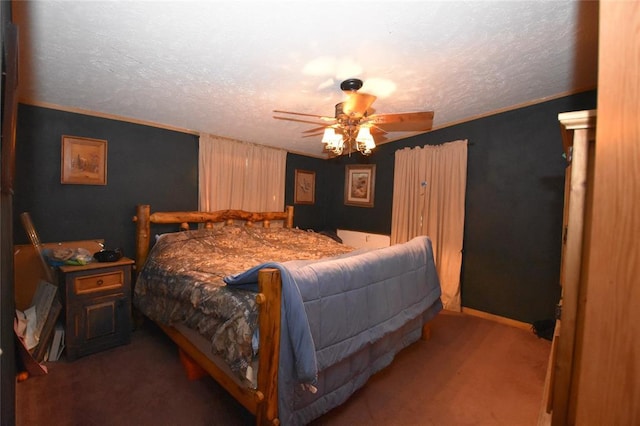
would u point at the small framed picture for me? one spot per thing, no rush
(84, 161)
(359, 185)
(305, 187)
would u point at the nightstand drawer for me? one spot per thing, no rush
(98, 282)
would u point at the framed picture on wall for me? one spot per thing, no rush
(305, 187)
(83, 161)
(359, 185)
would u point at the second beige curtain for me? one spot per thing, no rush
(240, 176)
(428, 199)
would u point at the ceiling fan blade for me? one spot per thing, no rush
(380, 139)
(297, 120)
(357, 104)
(316, 129)
(408, 121)
(321, 117)
(375, 130)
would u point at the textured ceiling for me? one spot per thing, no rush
(221, 67)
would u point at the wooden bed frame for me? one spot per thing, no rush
(262, 401)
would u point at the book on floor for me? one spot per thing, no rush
(57, 343)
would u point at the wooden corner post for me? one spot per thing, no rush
(269, 300)
(143, 231)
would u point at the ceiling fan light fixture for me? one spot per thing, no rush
(364, 135)
(333, 141)
(329, 135)
(364, 140)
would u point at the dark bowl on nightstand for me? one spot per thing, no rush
(108, 255)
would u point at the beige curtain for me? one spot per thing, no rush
(240, 176)
(428, 199)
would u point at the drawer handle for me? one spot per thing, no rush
(100, 282)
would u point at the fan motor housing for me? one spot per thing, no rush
(346, 119)
(351, 85)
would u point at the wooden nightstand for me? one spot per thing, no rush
(97, 306)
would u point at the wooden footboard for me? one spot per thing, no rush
(263, 401)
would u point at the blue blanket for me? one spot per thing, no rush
(333, 308)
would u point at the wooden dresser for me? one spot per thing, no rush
(97, 306)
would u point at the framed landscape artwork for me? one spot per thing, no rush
(305, 187)
(84, 161)
(359, 185)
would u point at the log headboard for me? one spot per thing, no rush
(144, 219)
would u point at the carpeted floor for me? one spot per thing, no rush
(471, 372)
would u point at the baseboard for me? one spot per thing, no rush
(497, 318)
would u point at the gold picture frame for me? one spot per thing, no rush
(83, 161)
(305, 187)
(359, 185)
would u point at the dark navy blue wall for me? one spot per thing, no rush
(308, 216)
(145, 165)
(514, 198)
(514, 202)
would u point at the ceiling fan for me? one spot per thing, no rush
(354, 124)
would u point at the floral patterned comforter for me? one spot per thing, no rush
(182, 281)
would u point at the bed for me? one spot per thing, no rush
(289, 322)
